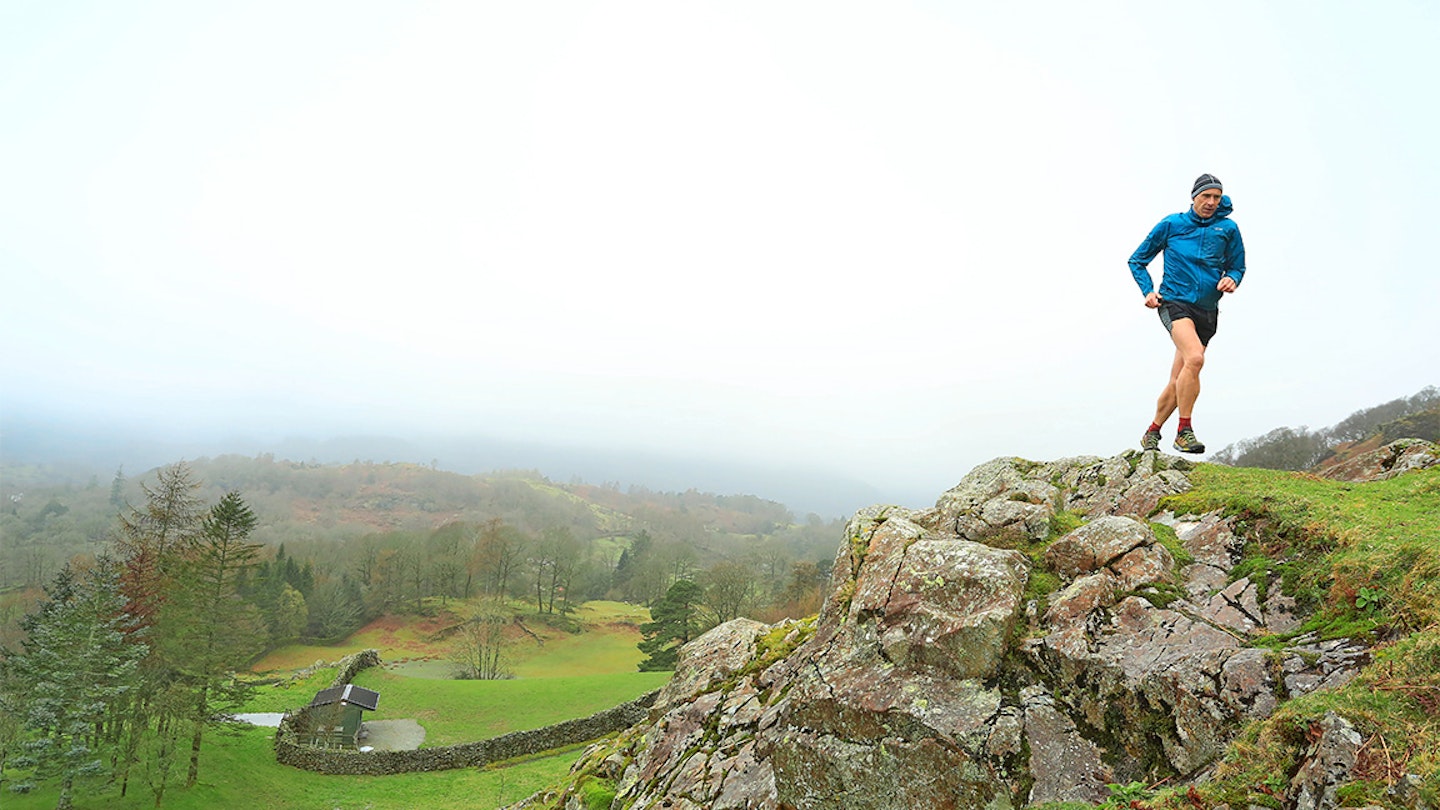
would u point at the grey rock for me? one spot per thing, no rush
(1065, 765)
(710, 659)
(1211, 540)
(1096, 545)
(1203, 581)
(1235, 607)
(1327, 765)
(1395, 458)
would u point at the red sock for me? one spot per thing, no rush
(1184, 423)
(1154, 428)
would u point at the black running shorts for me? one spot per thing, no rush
(1205, 319)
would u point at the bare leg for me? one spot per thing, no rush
(1166, 404)
(1184, 386)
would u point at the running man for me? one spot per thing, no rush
(1204, 259)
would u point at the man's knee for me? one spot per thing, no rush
(1193, 360)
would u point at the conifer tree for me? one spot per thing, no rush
(153, 537)
(74, 665)
(207, 630)
(675, 620)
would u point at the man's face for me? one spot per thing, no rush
(1206, 202)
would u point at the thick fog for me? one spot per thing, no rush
(869, 246)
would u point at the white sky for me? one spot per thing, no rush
(886, 240)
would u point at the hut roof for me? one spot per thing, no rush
(349, 693)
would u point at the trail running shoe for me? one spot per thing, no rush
(1186, 442)
(1150, 441)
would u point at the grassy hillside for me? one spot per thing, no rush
(455, 712)
(303, 501)
(1328, 541)
(352, 546)
(1366, 558)
(415, 645)
(570, 675)
(240, 771)
(1290, 448)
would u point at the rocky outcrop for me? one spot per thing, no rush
(1397, 457)
(1033, 637)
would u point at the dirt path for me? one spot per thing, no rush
(393, 735)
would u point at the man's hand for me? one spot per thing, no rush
(1153, 299)
(1226, 285)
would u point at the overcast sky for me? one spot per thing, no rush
(887, 240)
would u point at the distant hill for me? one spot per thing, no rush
(1287, 448)
(83, 449)
(48, 514)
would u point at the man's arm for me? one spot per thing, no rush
(1141, 258)
(1234, 263)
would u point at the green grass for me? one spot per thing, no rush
(281, 696)
(569, 676)
(1328, 540)
(563, 676)
(612, 629)
(1394, 704)
(240, 771)
(462, 711)
(607, 644)
(1366, 557)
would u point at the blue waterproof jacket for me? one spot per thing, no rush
(1197, 253)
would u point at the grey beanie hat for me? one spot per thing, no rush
(1203, 182)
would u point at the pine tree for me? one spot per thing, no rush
(75, 664)
(207, 630)
(117, 488)
(153, 537)
(675, 620)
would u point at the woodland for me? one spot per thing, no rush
(161, 585)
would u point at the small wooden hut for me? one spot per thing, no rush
(334, 715)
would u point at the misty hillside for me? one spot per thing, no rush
(1288, 448)
(321, 513)
(80, 449)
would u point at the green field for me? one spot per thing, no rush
(407, 643)
(240, 771)
(612, 629)
(561, 676)
(461, 711)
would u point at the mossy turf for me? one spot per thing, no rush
(1366, 558)
(1333, 543)
(606, 645)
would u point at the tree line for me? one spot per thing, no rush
(1287, 448)
(48, 515)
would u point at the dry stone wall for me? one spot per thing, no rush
(354, 664)
(481, 752)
